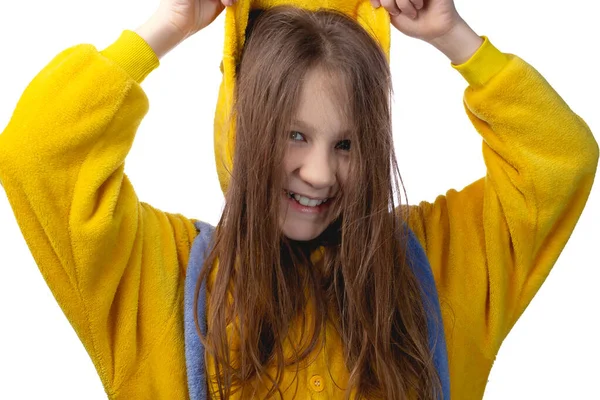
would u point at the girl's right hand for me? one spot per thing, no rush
(189, 16)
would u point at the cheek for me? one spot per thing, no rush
(291, 160)
(343, 170)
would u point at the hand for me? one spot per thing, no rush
(422, 19)
(189, 16)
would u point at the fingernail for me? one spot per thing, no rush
(375, 3)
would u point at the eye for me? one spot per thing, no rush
(296, 136)
(343, 145)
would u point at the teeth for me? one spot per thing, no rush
(305, 201)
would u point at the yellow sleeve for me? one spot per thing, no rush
(115, 265)
(492, 244)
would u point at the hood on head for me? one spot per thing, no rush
(375, 21)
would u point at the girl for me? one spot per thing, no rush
(315, 283)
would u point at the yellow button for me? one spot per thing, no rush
(317, 383)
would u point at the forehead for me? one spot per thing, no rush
(323, 103)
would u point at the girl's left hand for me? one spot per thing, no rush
(432, 18)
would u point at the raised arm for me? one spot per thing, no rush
(492, 244)
(114, 264)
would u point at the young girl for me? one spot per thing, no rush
(315, 283)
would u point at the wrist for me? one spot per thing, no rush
(159, 35)
(459, 43)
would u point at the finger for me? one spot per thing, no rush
(375, 3)
(407, 8)
(417, 3)
(391, 6)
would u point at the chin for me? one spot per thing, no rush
(302, 232)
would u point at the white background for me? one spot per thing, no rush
(553, 351)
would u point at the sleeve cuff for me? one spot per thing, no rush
(133, 54)
(484, 64)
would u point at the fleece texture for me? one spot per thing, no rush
(117, 265)
(194, 348)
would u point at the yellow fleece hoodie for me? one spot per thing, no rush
(117, 265)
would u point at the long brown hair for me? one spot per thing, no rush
(264, 281)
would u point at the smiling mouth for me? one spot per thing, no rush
(305, 201)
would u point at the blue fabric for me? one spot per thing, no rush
(194, 350)
(437, 339)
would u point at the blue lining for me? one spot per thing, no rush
(437, 338)
(194, 350)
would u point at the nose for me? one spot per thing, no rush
(319, 169)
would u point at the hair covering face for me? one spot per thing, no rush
(374, 21)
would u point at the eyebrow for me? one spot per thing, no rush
(308, 127)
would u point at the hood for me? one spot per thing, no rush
(375, 21)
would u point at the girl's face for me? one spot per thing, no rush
(316, 161)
